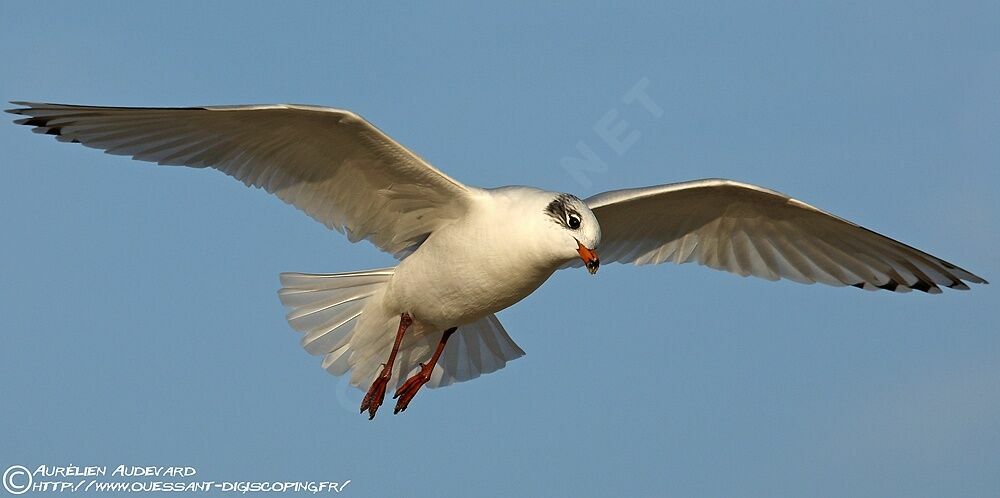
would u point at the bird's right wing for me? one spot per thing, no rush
(330, 163)
(750, 230)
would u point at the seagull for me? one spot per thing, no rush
(465, 252)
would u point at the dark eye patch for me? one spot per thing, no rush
(561, 210)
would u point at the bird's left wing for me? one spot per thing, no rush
(330, 163)
(751, 230)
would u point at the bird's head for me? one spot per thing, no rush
(574, 230)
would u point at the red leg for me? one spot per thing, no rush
(376, 393)
(409, 389)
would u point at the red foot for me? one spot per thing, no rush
(409, 389)
(376, 393)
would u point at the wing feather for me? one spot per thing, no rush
(330, 163)
(750, 230)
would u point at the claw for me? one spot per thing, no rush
(373, 400)
(409, 389)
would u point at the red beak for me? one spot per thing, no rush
(589, 257)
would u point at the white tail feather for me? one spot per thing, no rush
(328, 308)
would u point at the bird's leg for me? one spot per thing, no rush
(376, 393)
(409, 389)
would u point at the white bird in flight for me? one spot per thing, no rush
(465, 252)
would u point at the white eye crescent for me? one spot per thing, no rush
(573, 221)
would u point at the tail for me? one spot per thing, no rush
(328, 308)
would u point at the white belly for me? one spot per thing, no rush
(446, 284)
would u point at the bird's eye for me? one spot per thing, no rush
(573, 221)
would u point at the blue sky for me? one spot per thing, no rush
(139, 313)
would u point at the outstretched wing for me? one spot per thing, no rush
(750, 230)
(330, 163)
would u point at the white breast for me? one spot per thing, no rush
(475, 266)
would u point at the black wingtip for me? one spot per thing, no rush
(31, 122)
(958, 285)
(891, 285)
